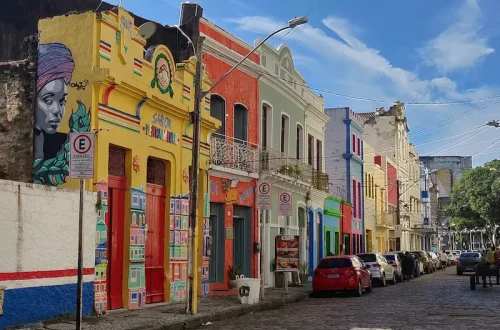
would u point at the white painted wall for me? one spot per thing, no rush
(39, 228)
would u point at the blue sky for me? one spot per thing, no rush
(422, 51)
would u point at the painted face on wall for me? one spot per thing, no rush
(50, 106)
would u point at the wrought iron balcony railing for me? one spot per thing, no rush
(320, 180)
(281, 163)
(235, 154)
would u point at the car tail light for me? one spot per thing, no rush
(375, 266)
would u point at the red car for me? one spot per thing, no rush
(342, 273)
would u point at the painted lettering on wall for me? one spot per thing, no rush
(246, 194)
(162, 134)
(79, 85)
(162, 121)
(214, 187)
(51, 146)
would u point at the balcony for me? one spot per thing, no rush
(320, 180)
(279, 163)
(231, 153)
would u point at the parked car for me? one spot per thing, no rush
(467, 262)
(435, 260)
(380, 269)
(426, 260)
(396, 262)
(342, 273)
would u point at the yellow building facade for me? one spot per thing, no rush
(377, 221)
(95, 75)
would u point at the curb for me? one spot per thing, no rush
(232, 312)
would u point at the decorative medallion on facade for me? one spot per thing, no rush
(164, 70)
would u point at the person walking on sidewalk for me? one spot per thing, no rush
(444, 260)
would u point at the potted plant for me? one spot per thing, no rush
(233, 272)
(304, 270)
(298, 171)
(283, 169)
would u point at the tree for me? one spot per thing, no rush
(475, 200)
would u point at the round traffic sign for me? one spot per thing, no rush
(82, 144)
(285, 197)
(264, 188)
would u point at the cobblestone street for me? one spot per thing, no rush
(441, 300)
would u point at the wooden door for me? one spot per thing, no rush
(116, 233)
(155, 246)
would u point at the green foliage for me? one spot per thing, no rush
(53, 171)
(233, 272)
(475, 200)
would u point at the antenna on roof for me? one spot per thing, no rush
(147, 30)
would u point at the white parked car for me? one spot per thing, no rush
(380, 269)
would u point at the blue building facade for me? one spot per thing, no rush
(344, 136)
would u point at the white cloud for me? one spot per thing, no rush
(350, 66)
(460, 46)
(346, 48)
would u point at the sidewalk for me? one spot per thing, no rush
(166, 316)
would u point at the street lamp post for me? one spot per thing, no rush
(195, 161)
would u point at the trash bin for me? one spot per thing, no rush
(248, 290)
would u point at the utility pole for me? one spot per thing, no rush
(191, 302)
(79, 288)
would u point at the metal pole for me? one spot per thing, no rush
(79, 284)
(262, 259)
(191, 306)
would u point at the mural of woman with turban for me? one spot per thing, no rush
(55, 68)
(51, 147)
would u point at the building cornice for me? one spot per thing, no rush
(229, 56)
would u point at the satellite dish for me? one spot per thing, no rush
(147, 30)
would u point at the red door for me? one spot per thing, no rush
(116, 221)
(155, 217)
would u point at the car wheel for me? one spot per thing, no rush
(369, 289)
(383, 282)
(359, 291)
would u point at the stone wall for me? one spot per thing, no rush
(17, 80)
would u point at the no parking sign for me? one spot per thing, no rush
(285, 205)
(81, 159)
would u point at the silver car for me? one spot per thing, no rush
(380, 269)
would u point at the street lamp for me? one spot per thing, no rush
(199, 95)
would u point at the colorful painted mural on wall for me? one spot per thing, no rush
(101, 261)
(207, 247)
(179, 236)
(137, 277)
(163, 74)
(51, 146)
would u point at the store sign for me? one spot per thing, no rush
(162, 129)
(287, 252)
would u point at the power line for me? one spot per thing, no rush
(312, 10)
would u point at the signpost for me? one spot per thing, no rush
(81, 166)
(263, 204)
